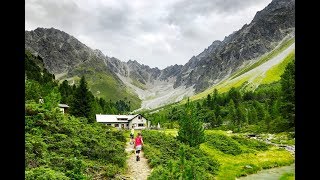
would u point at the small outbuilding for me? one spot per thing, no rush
(63, 108)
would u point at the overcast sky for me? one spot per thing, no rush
(157, 33)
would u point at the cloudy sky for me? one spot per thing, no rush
(157, 33)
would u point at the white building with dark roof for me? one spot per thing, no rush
(63, 108)
(124, 121)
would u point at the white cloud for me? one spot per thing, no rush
(155, 33)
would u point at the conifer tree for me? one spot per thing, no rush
(212, 119)
(235, 95)
(191, 129)
(219, 120)
(232, 112)
(288, 93)
(65, 91)
(82, 101)
(252, 115)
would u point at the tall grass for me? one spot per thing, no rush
(239, 157)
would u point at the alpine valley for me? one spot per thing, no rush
(228, 113)
(268, 38)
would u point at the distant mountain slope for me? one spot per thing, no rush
(220, 59)
(112, 78)
(270, 26)
(68, 58)
(154, 86)
(266, 70)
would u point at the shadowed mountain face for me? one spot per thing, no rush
(268, 27)
(67, 57)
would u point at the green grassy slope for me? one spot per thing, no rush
(274, 73)
(284, 45)
(247, 73)
(239, 156)
(103, 83)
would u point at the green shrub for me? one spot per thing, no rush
(45, 173)
(68, 146)
(249, 169)
(110, 170)
(251, 143)
(224, 144)
(172, 159)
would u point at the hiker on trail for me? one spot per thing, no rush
(131, 135)
(138, 145)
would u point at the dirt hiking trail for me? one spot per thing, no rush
(137, 170)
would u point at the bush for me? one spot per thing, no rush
(224, 144)
(168, 157)
(250, 143)
(249, 169)
(65, 144)
(111, 170)
(45, 173)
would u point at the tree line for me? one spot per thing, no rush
(269, 108)
(42, 84)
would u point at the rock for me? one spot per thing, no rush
(60, 51)
(269, 25)
(247, 167)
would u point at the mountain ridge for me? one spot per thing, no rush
(67, 57)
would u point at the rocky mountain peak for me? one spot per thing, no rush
(268, 27)
(99, 54)
(60, 51)
(63, 53)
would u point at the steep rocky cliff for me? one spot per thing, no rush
(67, 57)
(268, 27)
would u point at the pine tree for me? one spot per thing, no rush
(220, 120)
(232, 112)
(215, 95)
(191, 129)
(212, 119)
(260, 111)
(275, 109)
(208, 102)
(82, 101)
(235, 95)
(65, 91)
(252, 115)
(267, 120)
(241, 115)
(288, 93)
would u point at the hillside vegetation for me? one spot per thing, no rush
(172, 159)
(240, 156)
(104, 85)
(61, 146)
(251, 76)
(270, 108)
(70, 145)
